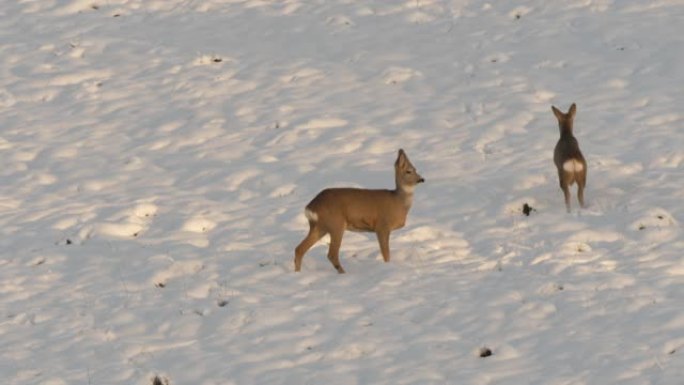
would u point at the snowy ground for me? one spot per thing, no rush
(157, 156)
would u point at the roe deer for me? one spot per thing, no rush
(568, 158)
(335, 210)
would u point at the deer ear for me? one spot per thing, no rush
(401, 158)
(559, 115)
(572, 111)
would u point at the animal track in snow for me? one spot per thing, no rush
(6, 98)
(322, 123)
(199, 225)
(497, 58)
(544, 96)
(577, 247)
(83, 77)
(672, 160)
(119, 230)
(304, 77)
(518, 12)
(550, 64)
(655, 218)
(397, 75)
(284, 190)
(127, 223)
(538, 310)
(177, 269)
(210, 59)
(550, 288)
(340, 20)
(527, 182)
(663, 119)
(145, 210)
(352, 351)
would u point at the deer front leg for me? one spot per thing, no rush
(383, 240)
(334, 250)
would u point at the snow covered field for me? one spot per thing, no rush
(156, 157)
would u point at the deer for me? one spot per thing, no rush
(335, 210)
(568, 158)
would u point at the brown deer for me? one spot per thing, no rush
(568, 158)
(335, 210)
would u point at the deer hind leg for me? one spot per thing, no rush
(334, 250)
(566, 193)
(581, 182)
(314, 235)
(383, 240)
(565, 182)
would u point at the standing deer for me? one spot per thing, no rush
(335, 210)
(568, 158)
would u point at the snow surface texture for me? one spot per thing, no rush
(157, 156)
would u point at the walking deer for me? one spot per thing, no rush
(335, 210)
(568, 158)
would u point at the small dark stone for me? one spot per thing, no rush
(673, 351)
(159, 381)
(68, 241)
(160, 284)
(217, 60)
(641, 227)
(661, 217)
(527, 209)
(517, 16)
(222, 303)
(485, 352)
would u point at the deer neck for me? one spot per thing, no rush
(404, 194)
(566, 130)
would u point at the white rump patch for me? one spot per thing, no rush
(310, 215)
(573, 165)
